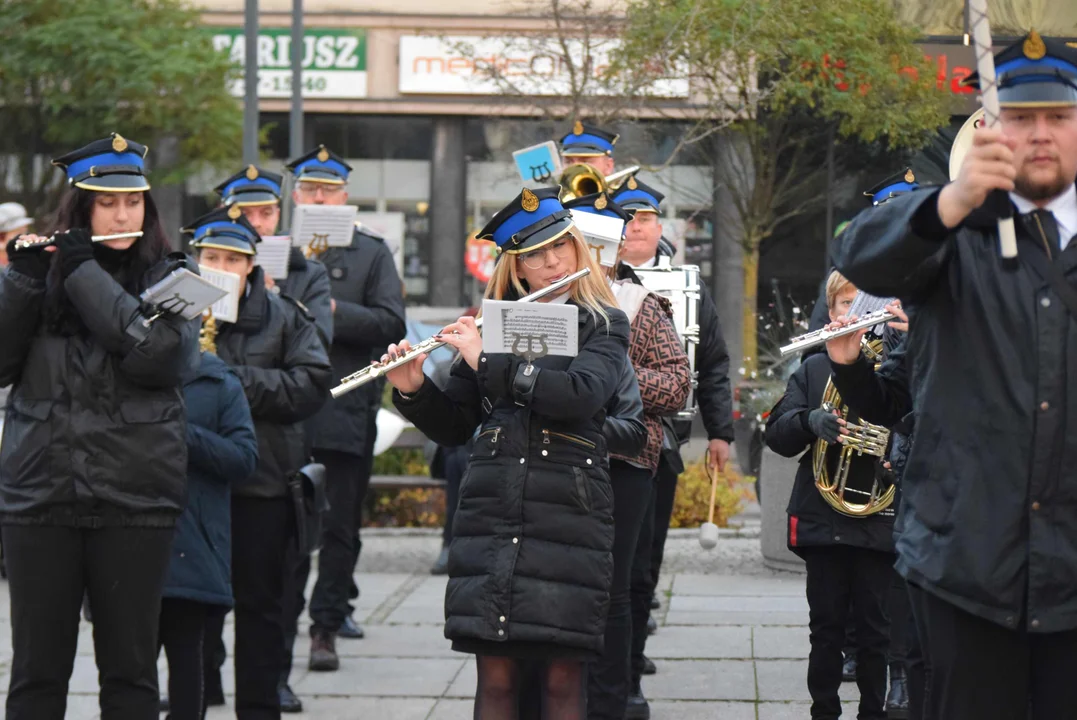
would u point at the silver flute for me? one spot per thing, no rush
(818, 337)
(376, 370)
(23, 244)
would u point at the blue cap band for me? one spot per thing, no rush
(523, 219)
(80, 167)
(890, 190)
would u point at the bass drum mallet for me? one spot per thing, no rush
(708, 531)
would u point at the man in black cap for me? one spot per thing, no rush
(591, 145)
(368, 314)
(989, 545)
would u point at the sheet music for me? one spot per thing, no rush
(602, 235)
(227, 308)
(509, 327)
(273, 255)
(865, 304)
(183, 293)
(323, 225)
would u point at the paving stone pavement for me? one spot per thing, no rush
(732, 642)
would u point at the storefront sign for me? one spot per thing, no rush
(466, 65)
(334, 61)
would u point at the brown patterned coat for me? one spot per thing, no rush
(660, 362)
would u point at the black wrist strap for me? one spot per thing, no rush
(523, 385)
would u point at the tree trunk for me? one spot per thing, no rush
(750, 315)
(727, 275)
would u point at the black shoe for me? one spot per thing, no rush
(349, 629)
(638, 708)
(654, 602)
(648, 666)
(441, 565)
(897, 700)
(323, 652)
(652, 626)
(164, 707)
(848, 668)
(289, 703)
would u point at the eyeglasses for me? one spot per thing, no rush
(537, 258)
(310, 189)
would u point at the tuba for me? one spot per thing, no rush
(580, 179)
(207, 336)
(863, 439)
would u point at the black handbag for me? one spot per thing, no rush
(307, 488)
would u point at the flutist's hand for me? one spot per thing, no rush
(32, 261)
(989, 165)
(464, 336)
(902, 323)
(75, 247)
(409, 377)
(845, 350)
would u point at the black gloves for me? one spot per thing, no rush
(824, 424)
(33, 262)
(75, 247)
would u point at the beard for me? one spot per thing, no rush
(1040, 190)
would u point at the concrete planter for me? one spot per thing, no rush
(776, 485)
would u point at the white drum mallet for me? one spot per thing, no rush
(708, 531)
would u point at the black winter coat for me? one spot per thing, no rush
(530, 559)
(812, 522)
(990, 496)
(308, 282)
(275, 350)
(221, 449)
(369, 316)
(625, 431)
(94, 432)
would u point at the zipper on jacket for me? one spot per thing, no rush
(496, 431)
(1043, 236)
(571, 438)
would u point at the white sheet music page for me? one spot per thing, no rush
(322, 226)
(516, 327)
(183, 293)
(227, 308)
(273, 254)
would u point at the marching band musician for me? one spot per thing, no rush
(989, 531)
(94, 460)
(368, 313)
(530, 562)
(590, 145)
(643, 247)
(274, 348)
(849, 560)
(664, 378)
(257, 192)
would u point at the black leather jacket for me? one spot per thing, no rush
(624, 429)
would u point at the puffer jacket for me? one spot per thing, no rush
(275, 350)
(530, 558)
(94, 432)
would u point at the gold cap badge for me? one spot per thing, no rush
(909, 177)
(323, 154)
(529, 201)
(252, 172)
(118, 143)
(632, 184)
(1034, 47)
(600, 202)
(234, 212)
(577, 129)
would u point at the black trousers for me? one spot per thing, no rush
(608, 678)
(985, 671)
(262, 530)
(836, 573)
(641, 584)
(122, 570)
(665, 493)
(455, 461)
(182, 634)
(916, 665)
(899, 611)
(347, 479)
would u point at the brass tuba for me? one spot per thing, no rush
(581, 179)
(863, 439)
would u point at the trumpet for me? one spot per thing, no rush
(581, 179)
(23, 244)
(818, 337)
(375, 370)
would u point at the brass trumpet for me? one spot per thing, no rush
(375, 370)
(581, 179)
(44, 242)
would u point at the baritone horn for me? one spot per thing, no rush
(581, 179)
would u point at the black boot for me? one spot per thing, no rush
(323, 652)
(649, 668)
(638, 708)
(652, 626)
(289, 703)
(848, 668)
(897, 700)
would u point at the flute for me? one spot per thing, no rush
(23, 244)
(818, 337)
(376, 370)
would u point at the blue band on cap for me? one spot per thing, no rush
(103, 161)
(1044, 63)
(523, 219)
(244, 184)
(314, 164)
(225, 228)
(890, 190)
(587, 139)
(636, 196)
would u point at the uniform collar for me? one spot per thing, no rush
(1063, 207)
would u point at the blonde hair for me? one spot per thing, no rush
(835, 284)
(591, 292)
